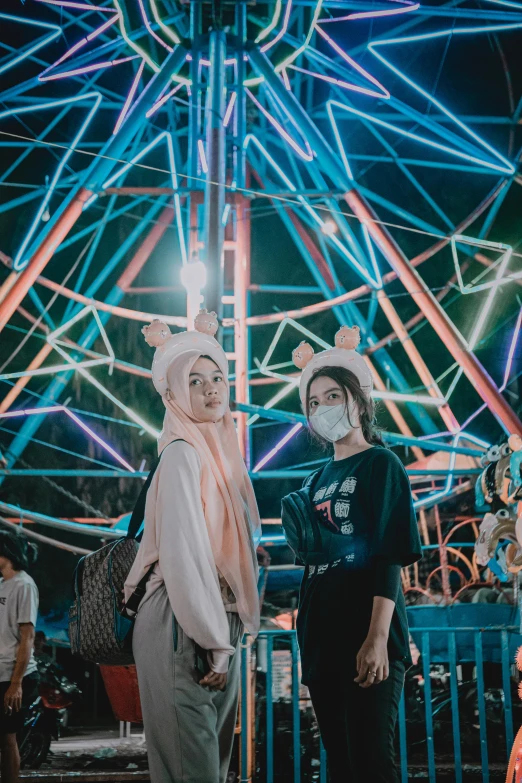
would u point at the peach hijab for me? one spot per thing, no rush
(229, 503)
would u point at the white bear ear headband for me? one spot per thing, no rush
(343, 355)
(346, 338)
(169, 346)
(157, 333)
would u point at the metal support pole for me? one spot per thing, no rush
(215, 188)
(435, 314)
(59, 226)
(410, 278)
(59, 383)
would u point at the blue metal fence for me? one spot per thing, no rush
(443, 650)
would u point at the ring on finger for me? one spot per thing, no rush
(373, 674)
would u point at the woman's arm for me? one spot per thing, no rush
(372, 659)
(185, 555)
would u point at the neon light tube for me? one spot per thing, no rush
(229, 110)
(295, 429)
(346, 57)
(305, 154)
(69, 53)
(55, 32)
(202, 156)
(129, 99)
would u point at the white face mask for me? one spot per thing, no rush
(332, 422)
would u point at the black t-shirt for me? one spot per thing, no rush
(367, 498)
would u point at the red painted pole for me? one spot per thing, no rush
(435, 314)
(41, 258)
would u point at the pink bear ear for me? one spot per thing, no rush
(348, 338)
(156, 334)
(206, 323)
(302, 355)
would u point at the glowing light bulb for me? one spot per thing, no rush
(329, 227)
(194, 276)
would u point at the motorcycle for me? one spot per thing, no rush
(46, 716)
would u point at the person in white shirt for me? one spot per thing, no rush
(18, 670)
(201, 520)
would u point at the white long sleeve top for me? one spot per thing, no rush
(185, 561)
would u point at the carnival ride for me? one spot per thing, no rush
(148, 139)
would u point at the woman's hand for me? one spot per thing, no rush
(214, 681)
(13, 698)
(372, 661)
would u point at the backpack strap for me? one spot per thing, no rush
(138, 514)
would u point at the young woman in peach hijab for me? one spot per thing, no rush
(201, 521)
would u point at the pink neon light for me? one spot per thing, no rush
(286, 80)
(68, 4)
(77, 420)
(130, 98)
(99, 440)
(208, 63)
(410, 6)
(305, 155)
(202, 156)
(278, 447)
(149, 28)
(163, 100)
(354, 64)
(88, 68)
(282, 31)
(79, 45)
(341, 83)
(230, 108)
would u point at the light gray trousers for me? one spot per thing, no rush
(189, 729)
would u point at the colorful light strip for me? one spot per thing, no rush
(506, 167)
(55, 32)
(289, 435)
(164, 136)
(306, 154)
(78, 421)
(422, 139)
(174, 37)
(341, 83)
(130, 98)
(142, 53)
(507, 370)
(150, 29)
(435, 497)
(202, 156)
(88, 68)
(281, 394)
(19, 261)
(282, 31)
(273, 24)
(159, 103)
(409, 6)
(470, 288)
(383, 92)
(81, 6)
(375, 282)
(229, 109)
(77, 46)
(52, 339)
(284, 76)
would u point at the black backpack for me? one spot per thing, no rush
(100, 624)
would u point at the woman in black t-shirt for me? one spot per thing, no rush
(353, 527)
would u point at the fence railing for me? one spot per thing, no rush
(457, 709)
